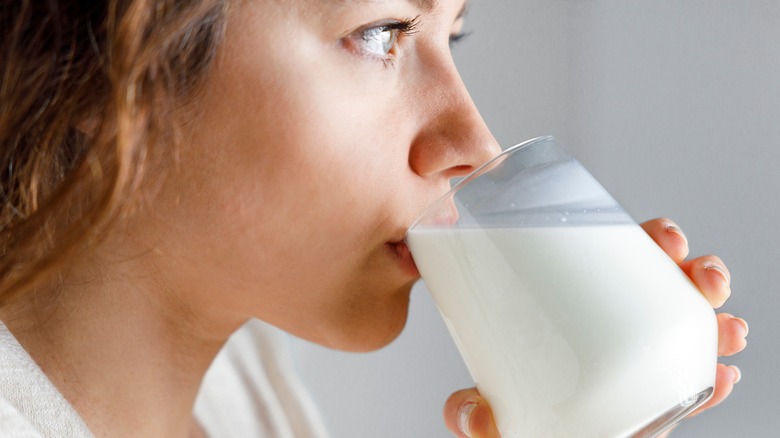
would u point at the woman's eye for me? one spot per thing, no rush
(380, 40)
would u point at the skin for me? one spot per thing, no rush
(306, 158)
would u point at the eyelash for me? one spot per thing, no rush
(404, 27)
(458, 37)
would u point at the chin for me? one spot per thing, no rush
(372, 329)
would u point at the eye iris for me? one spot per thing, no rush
(379, 40)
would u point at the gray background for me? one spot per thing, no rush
(674, 106)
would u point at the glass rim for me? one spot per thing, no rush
(479, 171)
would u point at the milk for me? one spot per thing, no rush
(587, 331)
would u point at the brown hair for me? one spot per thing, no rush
(87, 90)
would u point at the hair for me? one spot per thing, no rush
(88, 97)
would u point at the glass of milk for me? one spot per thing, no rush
(571, 320)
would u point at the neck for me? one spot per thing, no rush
(129, 357)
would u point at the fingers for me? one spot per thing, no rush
(713, 279)
(709, 273)
(711, 276)
(732, 332)
(467, 414)
(669, 237)
(725, 379)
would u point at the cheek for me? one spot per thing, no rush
(291, 182)
(299, 189)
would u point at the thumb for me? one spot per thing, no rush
(468, 415)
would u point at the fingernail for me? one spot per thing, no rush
(737, 374)
(464, 414)
(743, 324)
(672, 228)
(719, 269)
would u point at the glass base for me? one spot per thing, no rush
(672, 416)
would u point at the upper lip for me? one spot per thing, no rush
(442, 215)
(402, 240)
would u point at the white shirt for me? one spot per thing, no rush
(250, 390)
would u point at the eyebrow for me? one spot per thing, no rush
(429, 5)
(426, 5)
(463, 9)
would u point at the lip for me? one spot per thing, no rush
(400, 251)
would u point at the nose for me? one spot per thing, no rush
(453, 139)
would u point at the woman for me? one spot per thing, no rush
(173, 169)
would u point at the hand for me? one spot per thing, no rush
(467, 414)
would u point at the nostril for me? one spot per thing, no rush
(461, 170)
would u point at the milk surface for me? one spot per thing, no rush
(587, 331)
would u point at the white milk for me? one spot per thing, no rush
(587, 331)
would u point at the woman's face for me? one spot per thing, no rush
(323, 130)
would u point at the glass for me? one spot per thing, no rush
(571, 320)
